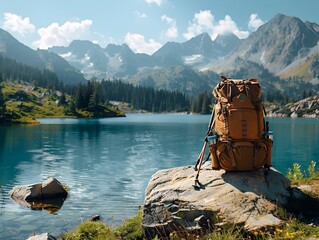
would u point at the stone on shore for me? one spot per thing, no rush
(48, 189)
(43, 236)
(243, 199)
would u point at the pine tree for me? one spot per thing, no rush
(79, 97)
(2, 105)
(62, 99)
(95, 97)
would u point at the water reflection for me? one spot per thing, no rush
(52, 206)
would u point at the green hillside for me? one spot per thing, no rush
(25, 103)
(306, 69)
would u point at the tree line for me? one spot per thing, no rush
(2, 103)
(11, 70)
(95, 93)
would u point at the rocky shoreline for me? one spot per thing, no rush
(306, 108)
(253, 202)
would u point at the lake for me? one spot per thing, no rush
(107, 163)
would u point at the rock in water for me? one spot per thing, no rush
(173, 204)
(50, 188)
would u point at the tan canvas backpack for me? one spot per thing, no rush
(241, 141)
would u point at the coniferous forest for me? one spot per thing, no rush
(95, 93)
(10, 70)
(145, 98)
(99, 93)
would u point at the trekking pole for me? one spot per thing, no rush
(210, 125)
(212, 119)
(200, 156)
(202, 153)
(200, 159)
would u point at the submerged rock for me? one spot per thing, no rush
(245, 199)
(51, 205)
(48, 195)
(50, 188)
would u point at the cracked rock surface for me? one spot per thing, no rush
(246, 199)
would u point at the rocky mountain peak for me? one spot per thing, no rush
(201, 44)
(279, 42)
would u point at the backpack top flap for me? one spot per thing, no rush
(226, 90)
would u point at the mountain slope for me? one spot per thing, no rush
(198, 52)
(112, 61)
(277, 44)
(12, 48)
(65, 72)
(177, 78)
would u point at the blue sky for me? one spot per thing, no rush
(145, 25)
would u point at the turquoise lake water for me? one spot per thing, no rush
(107, 163)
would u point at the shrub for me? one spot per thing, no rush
(312, 169)
(131, 229)
(295, 174)
(90, 231)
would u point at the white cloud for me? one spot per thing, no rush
(140, 14)
(138, 43)
(203, 21)
(172, 31)
(158, 2)
(227, 25)
(167, 19)
(204, 18)
(254, 22)
(56, 35)
(17, 24)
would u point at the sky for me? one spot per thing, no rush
(144, 25)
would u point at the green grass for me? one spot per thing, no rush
(301, 70)
(131, 229)
(90, 231)
(24, 105)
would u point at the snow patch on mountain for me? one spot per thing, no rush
(193, 59)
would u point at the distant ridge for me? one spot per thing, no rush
(41, 59)
(284, 47)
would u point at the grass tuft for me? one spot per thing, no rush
(131, 229)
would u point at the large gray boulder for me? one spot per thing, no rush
(247, 199)
(50, 188)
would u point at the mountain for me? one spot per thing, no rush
(12, 48)
(170, 54)
(119, 61)
(177, 78)
(199, 52)
(226, 43)
(114, 61)
(275, 45)
(285, 47)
